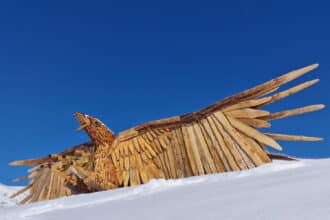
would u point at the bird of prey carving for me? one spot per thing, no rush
(222, 137)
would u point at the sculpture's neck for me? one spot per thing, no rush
(99, 133)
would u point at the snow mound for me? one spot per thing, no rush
(280, 190)
(5, 193)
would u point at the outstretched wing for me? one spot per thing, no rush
(222, 137)
(63, 174)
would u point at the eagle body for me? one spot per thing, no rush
(222, 137)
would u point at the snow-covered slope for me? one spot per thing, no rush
(281, 190)
(5, 193)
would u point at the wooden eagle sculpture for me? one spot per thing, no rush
(222, 137)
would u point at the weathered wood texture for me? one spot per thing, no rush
(220, 138)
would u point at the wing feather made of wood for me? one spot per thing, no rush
(63, 174)
(222, 137)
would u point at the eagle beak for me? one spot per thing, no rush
(82, 119)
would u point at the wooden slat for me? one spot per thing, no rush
(285, 137)
(208, 162)
(247, 113)
(259, 90)
(162, 158)
(218, 144)
(230, 143)
(219, 137)
(31, 162)
(26, 199)
(195, 151)
(167, 162)
(249, 163)
(139, 166)
(134, 172)
(153, 172)
(125, 178)
(190, 153)
(50, 188)
(177, 155)
(187, 167)
(165, 166)
(215, 157)
(172, 161)
(239, 139)
(247, 104)
(257, 148)
(288, 92)
(21, 191)
(148, 147)
(251, 132)
(292, 112)
(255, 123)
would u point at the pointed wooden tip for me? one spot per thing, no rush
(314, 66)
(15, 163)
(285, 137)
(277, 147)
(320, 106)
(310, 67)
(297, 73)
(31, 162)
(314, 81)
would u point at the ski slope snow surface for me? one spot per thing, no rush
(280, 190)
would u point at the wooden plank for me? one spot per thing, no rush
(167, 163)
(51, 183)
(255, 123)
(148, 147)
(153, 172)
(161, 156)
(239, 139)
(26, 199)
(139, 166)
(249, 163)
(125, 178)
(195, 150)
(190, 153)
(177, 155)
(165, 166)
(171, 159)
(258, 148)
(134, 171)
(288, 92)
(44, 186)
(215, 157)
(292, 112)
(230, 143)
(247, 113)
(285, 137)
(219, 137)
(157, 146)
(187, 167)
(259, 90)
(21, 191)
(247, 104)
(204, 152)
(32, 162)
(251, 132)
(144, 175)
(218, 144)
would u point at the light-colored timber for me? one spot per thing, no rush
(222, 137)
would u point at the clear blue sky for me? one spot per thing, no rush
(127, 62)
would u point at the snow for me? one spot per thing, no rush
(280, 190)
(5, 193)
